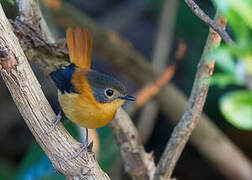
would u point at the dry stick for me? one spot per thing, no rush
(29, 13)
(140, 159)
(59, 145)
(151, 90)
(190, 118)
(206, 19)
(137, 162)
(207, 137)
(161, 54)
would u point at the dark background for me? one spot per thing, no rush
(136, 21)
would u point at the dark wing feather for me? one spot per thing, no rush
(62, 79)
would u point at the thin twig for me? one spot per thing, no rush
(121, 54)
(152, 89)
(206, 19)
(53, 5)
(59, 145)
(189, 120)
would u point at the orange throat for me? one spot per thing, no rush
(88, 113)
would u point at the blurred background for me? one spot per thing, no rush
(229, 101)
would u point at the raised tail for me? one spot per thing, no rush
(79, 42)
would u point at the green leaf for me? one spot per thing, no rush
(236, 107)
(241, 7)
(233, 11)
(222, 80)
(248, 64)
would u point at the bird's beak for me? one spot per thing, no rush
(129, 98)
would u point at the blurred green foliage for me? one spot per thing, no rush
(6, 169)
(236, 106)
(235, 62)
(110, 151)
(12, 2)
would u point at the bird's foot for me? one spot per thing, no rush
(84, 147)
(54, 123)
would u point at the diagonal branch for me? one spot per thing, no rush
(190, 118)
(139, 164)
(206, 19)
(59, 145)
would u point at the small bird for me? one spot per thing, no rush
(87, 97)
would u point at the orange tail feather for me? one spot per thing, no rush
(79, 42)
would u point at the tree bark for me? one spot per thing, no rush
(59, 145)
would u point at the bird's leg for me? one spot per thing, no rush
(54, 123)
(84, 146)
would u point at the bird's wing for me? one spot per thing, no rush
(79, 42)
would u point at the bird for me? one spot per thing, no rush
(87, 97)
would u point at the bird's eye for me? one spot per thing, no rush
(109, 92)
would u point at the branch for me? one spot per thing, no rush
(189, 120)
(122, 55)
(31, 19)
(206, 19)
(160, 57)
(59, 145)
(140, 159)
(137, 162)
(30, 14)
(146, 93)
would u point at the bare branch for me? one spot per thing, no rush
(59, 145)
(189, 120)
(121, 54)
(206, 19)
(49, 56)
(142, 160)
(29, 13)
(137, 162)
(152, 89)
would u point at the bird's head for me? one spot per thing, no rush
(104, 90)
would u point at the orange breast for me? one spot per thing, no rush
(85, 113)
(82, 108)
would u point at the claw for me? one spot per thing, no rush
(80, 150)
(85, 146)
(90, 146)
(54, 123)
